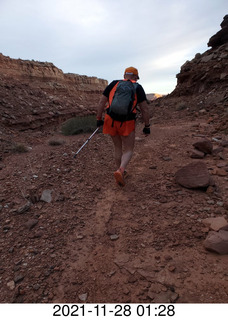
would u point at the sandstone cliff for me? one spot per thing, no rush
(202, 85)
(33, 94)
(208, 71)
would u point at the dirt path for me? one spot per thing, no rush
(97, 242)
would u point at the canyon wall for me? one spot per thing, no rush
(207, 72)
(33, 94)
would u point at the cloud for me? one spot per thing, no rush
(102, 37)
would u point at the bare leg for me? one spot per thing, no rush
(117, 149)
(128, 147)
(124, 146)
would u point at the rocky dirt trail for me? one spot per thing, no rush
(90, 240)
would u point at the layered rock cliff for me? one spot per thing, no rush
(202, 85)
(208, 71)
(33, 94)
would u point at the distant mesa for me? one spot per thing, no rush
(34, 94)
(154, 96)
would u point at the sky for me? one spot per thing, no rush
(101, 38)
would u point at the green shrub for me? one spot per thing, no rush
(19, 148)
(79, 125)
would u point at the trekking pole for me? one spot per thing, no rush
(86, 141)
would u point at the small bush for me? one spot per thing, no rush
(79, 125)
(19, 148)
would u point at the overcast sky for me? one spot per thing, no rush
(102, 37)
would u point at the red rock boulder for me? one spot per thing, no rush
(194, 175)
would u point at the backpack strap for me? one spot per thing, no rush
(111, 94)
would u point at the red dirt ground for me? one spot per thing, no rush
(96, 242)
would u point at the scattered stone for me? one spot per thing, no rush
(196, 154)
(34, 196)
(83, 296)
(222, 164)
(215, 223)
(167, 158)
(168, 257)
(46, 196)
(204, 146)
(31, 223)
(11, 285)
(210, 190)
(24, 208)
(217, 242)
(171, 268)
(19, 277)
(220, 203)
(217, 150)
(164, 297)
(37, 234)
(195, 175)
(224, 143)
(210, 202)
(221, 172)
(36, 287)
(114, 237)
(138, 139)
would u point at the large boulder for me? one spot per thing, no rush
(194, 175)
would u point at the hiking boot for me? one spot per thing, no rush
(119, 178)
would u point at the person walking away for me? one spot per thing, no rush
(120, 99)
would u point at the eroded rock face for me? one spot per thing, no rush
(207, 71)
(34, 94)
(221, 37)
(44, 72)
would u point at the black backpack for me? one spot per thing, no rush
(121, 108)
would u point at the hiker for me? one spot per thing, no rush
(119, 124)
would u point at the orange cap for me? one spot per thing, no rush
(132, 70)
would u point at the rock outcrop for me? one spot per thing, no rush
(221, 37)
(207, 72)
(33, 94)
(46, 72)
(202, 86)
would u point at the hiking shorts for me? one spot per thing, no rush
(116, 127)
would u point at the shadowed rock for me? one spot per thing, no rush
(221, 37)
(195, 175)
(204, 146)
(217, 242)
